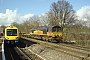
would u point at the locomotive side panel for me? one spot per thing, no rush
(52, 33)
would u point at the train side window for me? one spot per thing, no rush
(54, 29)
(58, 29)
(47, 30)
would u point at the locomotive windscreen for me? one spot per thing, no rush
(56, 29)
(11, 32)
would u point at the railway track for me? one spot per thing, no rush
(81, 53)
(10, 53)
(14, 53)
(19, 52)
(29, 52)
(77, 47)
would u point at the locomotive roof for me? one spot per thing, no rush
(45, 27)
(11, 27)
(41, 28)
(53, 26)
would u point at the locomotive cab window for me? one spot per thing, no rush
(56, 29)
(32, 31)
(11, 32)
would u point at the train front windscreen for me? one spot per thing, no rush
(56, 29)
(11, 32)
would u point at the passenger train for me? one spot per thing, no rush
(11, 35)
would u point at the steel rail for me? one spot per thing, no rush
(10, 54)
(68, 50)
(76, 47)
(23, 54)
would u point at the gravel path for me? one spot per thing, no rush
(50, 54)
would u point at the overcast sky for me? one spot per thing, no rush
(20, 10)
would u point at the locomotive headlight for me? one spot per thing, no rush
(17, 37)
(16, 41)
(8, 42)
(7, 38)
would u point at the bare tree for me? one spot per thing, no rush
(3, 26)
(88, 19)
(61, 13)
(17, 25)
(35, 22)
(26, 26)
(43, 20)
(14, 24)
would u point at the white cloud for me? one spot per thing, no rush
(83, 12)
(27, 16)
(43, 14)
(12, 16)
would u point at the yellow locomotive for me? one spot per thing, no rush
(51, 33)
(11, 35)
